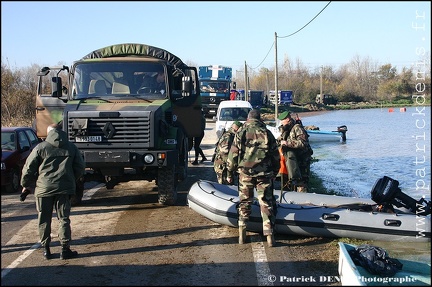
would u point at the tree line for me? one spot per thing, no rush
(361, 80)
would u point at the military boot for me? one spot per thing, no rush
(47, 252)
(301, 189)
(242, 232)
(270, 240)
(67, 253)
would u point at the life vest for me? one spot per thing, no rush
(283, 168)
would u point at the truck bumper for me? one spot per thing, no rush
(133, 159)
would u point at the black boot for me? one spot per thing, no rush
(66, 253)
(47, 252)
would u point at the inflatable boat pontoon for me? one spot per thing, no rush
(311, 214)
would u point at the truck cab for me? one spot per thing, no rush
(215, 83)
(131, 109)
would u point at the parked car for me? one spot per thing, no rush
(16, 143)
(230, 111)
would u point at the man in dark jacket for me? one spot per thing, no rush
(255, 155)
(197, 142)
(54, 166)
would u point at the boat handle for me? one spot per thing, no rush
(392, 222)
(329, 216)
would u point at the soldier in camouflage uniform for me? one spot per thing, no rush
(297, 151)
(221, 152)
(254, 154)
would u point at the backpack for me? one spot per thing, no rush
(375, 260)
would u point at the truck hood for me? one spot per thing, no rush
(114, 105)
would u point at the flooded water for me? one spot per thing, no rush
(379, 143)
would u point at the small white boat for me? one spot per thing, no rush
(321, 136)
(412, 273)
(311, 214)
(316, 136)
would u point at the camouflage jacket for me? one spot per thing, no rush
(254, 151)
(222, 148)
(297, 140)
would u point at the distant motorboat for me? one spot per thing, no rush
(316, 135)
(320, 136)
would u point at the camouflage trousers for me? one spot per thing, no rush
(221, 176)
(298, 172)
(265, 197)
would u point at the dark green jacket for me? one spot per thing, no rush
(54, 165)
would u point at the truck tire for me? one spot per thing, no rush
(167, 185)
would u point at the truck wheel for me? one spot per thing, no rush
(167, 185)
(76, 199)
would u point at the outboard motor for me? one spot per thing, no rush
(343, 130)
(386, 191)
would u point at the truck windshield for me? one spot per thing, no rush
(213, 86)
(116, 78)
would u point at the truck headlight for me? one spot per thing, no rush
(149, 158)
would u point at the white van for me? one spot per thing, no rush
(230, 111)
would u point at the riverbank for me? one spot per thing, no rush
(318, 255)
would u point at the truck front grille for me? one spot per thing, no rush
(114, 132)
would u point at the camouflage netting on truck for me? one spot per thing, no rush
(123, 50)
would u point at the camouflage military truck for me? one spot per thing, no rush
(124, 130)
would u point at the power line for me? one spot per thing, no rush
(264, 57)
(290, 35)
(307, 23)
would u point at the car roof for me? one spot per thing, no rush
(11, 129)
(235, 103)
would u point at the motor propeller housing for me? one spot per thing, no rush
(386, 192)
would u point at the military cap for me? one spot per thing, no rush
(284, 115)
(237, 123)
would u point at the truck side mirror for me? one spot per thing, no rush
(234, 85)
(186, 86)
(56, 87)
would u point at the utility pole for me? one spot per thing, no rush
(276, 81)
(321, 80)
(268, 84)
(246, 83)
